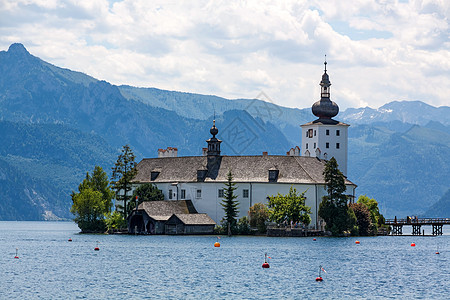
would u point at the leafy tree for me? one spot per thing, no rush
(229, 204)
(114, 221)
(290, 207)
(372, 205)
(259, 214)
(243, 226)
(363, 219)
(123, 173)
(92, 201)
(145, 192)
(333, 208)
(89, 209)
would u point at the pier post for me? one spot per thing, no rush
(397, 229)
(437, 229)
(416, 229)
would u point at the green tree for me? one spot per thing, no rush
(363, 219)
(333, 208)
(88, 208)
(230, 204)
(372, 205)
(93, 200)
(114, 221)
(145, 192)
(123, 173)
(243, 226)
(259, 215)
(290, 207)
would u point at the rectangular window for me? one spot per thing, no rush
(306, 145)
(310, 133)
(327, 132)
(170, 194)
(220, 195)
(337, 145)
(199, 193)
(245, 193)
(307, 133)
(314, 145)
(314, 133)
(327, 145)
(338, 132)
(183, 194)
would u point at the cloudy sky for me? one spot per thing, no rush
(377, 50)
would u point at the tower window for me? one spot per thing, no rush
(310, 133)
(306, 145)
(314, 145)
(314, 133)
(327, 132)
(337, 145)
(338, 132)
(327, 145)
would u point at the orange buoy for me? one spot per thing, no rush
(96, 249)
(314, 239)
(319, 278)
(413, 244)
(437, 252)
(216, 244)
(70, 239)
(357, 242)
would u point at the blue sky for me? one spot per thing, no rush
(377, 51)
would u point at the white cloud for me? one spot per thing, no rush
(378, 51)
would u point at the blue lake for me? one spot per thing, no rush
(189, 267)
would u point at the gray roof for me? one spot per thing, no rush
(292, 169)
(195, 219)
(163, 210)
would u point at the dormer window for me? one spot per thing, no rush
(154, 175)
(273, 175)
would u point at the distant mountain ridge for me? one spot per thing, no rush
(41, 103)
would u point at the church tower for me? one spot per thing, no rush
(325, 138)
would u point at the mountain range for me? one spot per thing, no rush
(57, 124)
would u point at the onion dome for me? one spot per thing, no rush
(214, 131)
(325, 108)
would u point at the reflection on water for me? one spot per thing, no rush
(151, 267)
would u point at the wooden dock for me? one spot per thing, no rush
(417, 223)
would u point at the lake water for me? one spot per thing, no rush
(190, 267)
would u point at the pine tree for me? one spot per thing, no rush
(123, 173)
(333, 208)
(229, 204)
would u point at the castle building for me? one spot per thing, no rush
(200, 180)
(324, 137)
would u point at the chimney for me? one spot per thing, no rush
(265, 153)
(169, 152)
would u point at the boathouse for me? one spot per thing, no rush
(169, 217)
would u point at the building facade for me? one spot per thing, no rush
(202, 179)
(325, 138)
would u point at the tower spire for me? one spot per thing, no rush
(325, 108)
